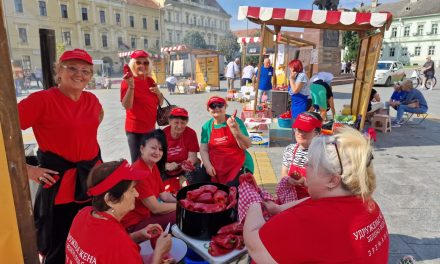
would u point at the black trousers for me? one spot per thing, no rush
(134, 143)
(63, 216)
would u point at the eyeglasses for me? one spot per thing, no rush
(74, 70)
(145, 63)
(332, 141)
(216, 105)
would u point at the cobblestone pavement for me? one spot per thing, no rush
(406, 161)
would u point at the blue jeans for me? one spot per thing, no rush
(404, 108)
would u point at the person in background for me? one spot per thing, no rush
(325, 79)
(154, 204)
(265, 81)
(232, 71)
(65, 121)
(398, 96)
(171, 84)
(414, 102)
(223, 145)
(374, 104)
(298, 88)
(248, 74)
(182, 147)
(428, 71)
(107, 82)
(97, 230)
(348, 67)
(341, 181)
(140, 96)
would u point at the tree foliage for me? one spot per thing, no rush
(350, 39)
(228, 46)
(194, 39)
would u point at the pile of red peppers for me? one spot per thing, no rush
(209, 199)
(286, 115)
(228, 238)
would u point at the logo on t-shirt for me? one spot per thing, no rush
(221, 140)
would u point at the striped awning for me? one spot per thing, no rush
(128, 53)
(246, 40)
(174, 48)
(338, 20)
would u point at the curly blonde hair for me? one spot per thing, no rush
(132, 62)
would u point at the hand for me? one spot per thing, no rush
(154, 89)
(130, 82)
(163, 244)
(210, 170)
(292, 181)
(40, 175)
(142, 234)
(151, 227)
(171, 166)
(233, 125)
(272, 207)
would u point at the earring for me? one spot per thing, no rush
(112, 210)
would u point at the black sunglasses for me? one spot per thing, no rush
(332, 141)
(216, 105)
(146, 63)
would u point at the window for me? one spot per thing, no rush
(417, 51)
(404, 51)
(67, 40)
(118, 19)
(419, 30)
(187, 18)
(156, 25)
(144, 23)
(392, 51)
(104, 40)
(131, 21)
(120, 43)
(157, 43)
(42, 7)
(177, 17)
(102, 16)
(22, 34)
(406, 31)
(145, 43)
(84, 14)
(178, 37)
(87, 41)
(169, 15)
(26, 62)
(18, 6)
(394, 32)
(64, 11)
(434, 29)
(431, 50)
(215, 39)
(170, 36)
(133, 42)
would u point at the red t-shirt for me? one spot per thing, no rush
(93, 240)
(141, 118)
(151, 186)
(328, 230)
(61, 125)
(179, 148)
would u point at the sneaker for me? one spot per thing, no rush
(395, 124)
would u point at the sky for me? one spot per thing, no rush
(231, 6)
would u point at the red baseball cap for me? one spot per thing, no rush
(123, 172)
(77, 54)
(216, 99)
(306, 123)
(139, 54)
(179, 111)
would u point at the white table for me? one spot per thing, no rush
(201, 248)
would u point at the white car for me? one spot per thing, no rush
(388, 72)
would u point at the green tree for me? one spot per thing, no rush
(228, 46)
(60, 48)
(350, 39)
(194, 39)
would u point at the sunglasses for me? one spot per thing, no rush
(145, 63)
(216, 105)
(73, 70)
(332, 141)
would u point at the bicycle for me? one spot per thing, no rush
(416, 79)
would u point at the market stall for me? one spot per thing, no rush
(370, 27)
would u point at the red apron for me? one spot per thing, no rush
(177, 152)
(301, 190)
(225, 154)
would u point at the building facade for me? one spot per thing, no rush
(414, 33)
(102, 27)
(204, 16)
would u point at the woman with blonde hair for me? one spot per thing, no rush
(340, 218)
(140, 96)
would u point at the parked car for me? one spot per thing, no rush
(388, 72)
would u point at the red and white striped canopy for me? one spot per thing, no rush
(248, 40)
(338, 20)
(175, 48)
(128, 53)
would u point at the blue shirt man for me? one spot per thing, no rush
(265, 81)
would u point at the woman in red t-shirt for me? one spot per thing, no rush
(140, 96)
(339, 223)
(182, 150)
(65, 122)
(148, 208)
(96, 235)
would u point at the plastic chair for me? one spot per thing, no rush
(381, 123)
(419, 115)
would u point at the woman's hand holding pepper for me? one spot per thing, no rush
(163, 246)
(40, 175)
(292, 181)
(233, 125)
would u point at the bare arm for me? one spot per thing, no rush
(204, 154)
(331, 103)
(284, 171)
(167, 197)
(243, 141)
(101, 115)
(127, 101)
(254, 222)
(158, 208)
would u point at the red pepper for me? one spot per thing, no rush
(226, 241)
(127, 72)
(216, 250)
(208, 208)
(188, 166)
(205, 197)
(234, 228)
(232, 197)
(154, 235)
(187, 204)
(192, 195)
(235, 113)
(208, 188)
(221, 197)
